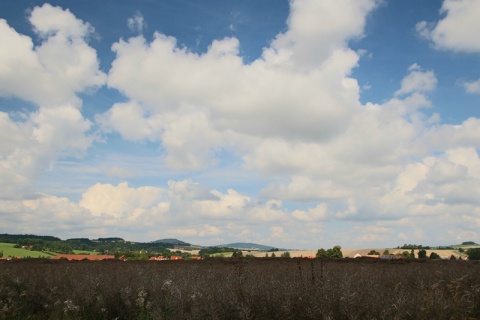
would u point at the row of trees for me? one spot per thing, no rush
(335, 253)
(145, 255)
(472, 253)
(422, 254)
(419, 246)
(285, 254)
(207, 252)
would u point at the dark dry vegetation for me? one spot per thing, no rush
(240, 289)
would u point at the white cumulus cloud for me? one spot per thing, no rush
(417, 81)
(458, 29)
(472, 87)
(50, 75)
(136, 23)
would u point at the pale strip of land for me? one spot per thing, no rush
(352, 252)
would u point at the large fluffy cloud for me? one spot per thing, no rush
(54, 71)
(31, 146)
(195, 102)
(50, 75)
(316, 30)
(182, 209)
(456, 31)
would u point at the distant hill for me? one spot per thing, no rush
(172, 241)
(247, 246)
(14, 238)
(469, 243)
(110, 239)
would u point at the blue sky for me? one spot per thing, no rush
(298, 124)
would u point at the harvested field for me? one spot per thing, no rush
(351, 252)
(240, 289)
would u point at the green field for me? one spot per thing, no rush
(465, 247)
(10, 251)
(222, 254)
(85, 252)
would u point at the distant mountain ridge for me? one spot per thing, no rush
(247, 246)
(172, 241)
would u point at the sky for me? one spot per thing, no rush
(297, 124)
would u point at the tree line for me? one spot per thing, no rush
(103, 245)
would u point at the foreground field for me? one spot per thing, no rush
(240, 289)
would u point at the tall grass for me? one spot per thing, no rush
(239, 289)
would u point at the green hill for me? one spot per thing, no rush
(172, 241)
(247, 246)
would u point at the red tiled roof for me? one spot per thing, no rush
(84, 256)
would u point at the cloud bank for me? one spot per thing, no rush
(328, 167)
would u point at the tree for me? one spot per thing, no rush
(373, 252)
(273, 255)
(434, 255)
(237, 254)
(37, 247)
(412, 254)
(452, 257)
(286, 254)
(321, 253)
(422, 254)
(386, 252)
(336, 252)
(473, 254)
